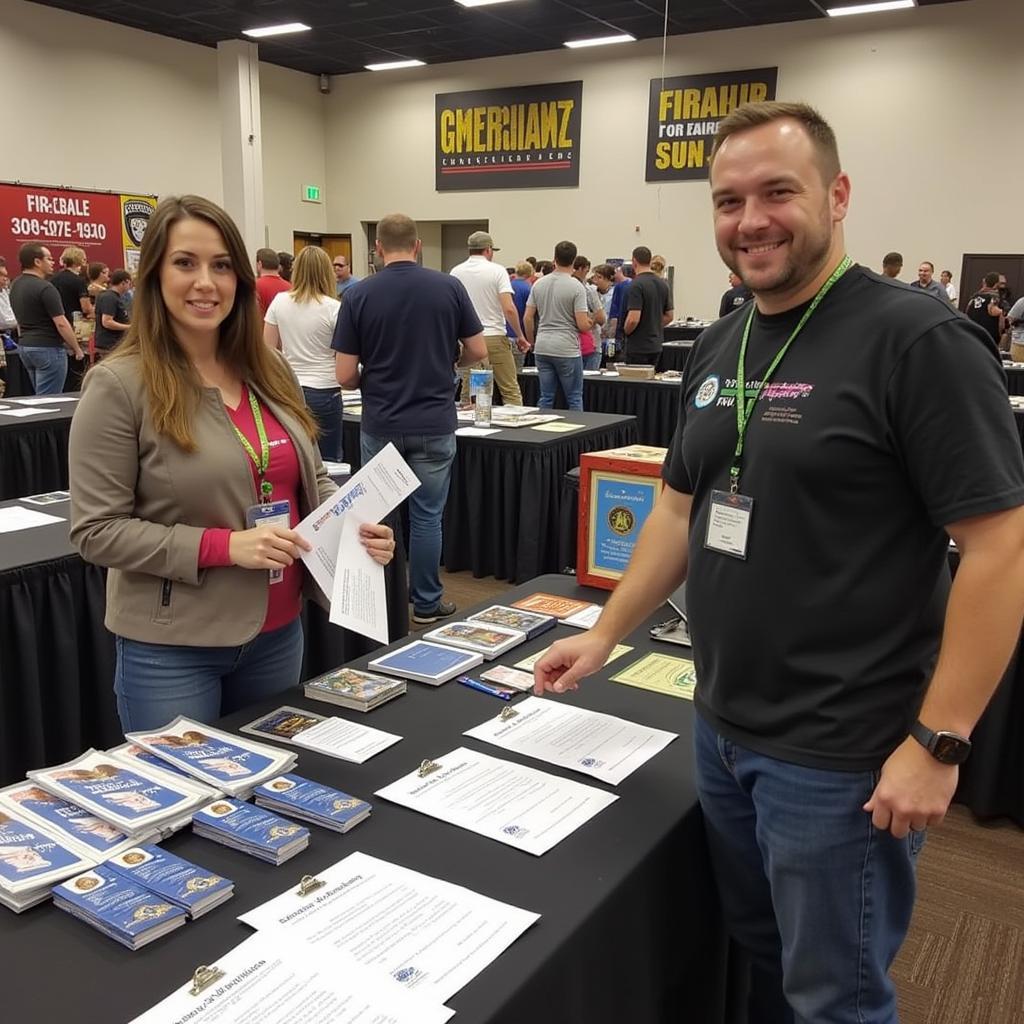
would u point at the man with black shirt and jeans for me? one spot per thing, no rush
(831, 439)
(46, 336)
(408, 327)
(71, 282)
(984, 309)
(111, 316)
(648, 309)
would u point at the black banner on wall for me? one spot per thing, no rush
(522, 137)
(684, 114)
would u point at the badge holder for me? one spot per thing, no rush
(271, 513)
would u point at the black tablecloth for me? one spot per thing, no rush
(654, 403)
(674, 355)
(503, 507)
(34, 450)
(688, 332)
(1014, 379)
(18, 381)
(630, 929)
(57, 658)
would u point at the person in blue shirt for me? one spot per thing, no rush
(617, 311)
(521, 285)
(344, 275)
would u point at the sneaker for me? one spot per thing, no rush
(442, 611)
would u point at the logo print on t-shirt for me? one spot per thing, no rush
(707, 392)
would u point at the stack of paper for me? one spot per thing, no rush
(219, 759)
(427, 663)
(310, 801)
(484, 638)
(132, 798)
(350, 688)
(251, 830)
(31, 861)
(194, 889)
(119, 908)
(335, 737)
(530, 623)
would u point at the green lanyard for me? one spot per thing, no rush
(262, 463)
(745, 406)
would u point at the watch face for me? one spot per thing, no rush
(950, 749)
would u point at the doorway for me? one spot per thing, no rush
(976, 265)
(334, 245)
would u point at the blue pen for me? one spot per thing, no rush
(494, 691)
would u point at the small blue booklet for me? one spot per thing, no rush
(251, 830)
(118, 907)
(427, 663)
(310, 801)
(185, 884)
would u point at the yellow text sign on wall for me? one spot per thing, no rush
(684, 113)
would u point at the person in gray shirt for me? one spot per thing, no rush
(556, 313)
(926, 281)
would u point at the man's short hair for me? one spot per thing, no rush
(642, 255)
(929, 265)
(119, 277)
(28, 254)
(627, 269)
(892, 259)
(753, 115)
(525, 269)
(72, 256)
(991, 279)
(605, 270)
(581, 263)
(565, 253)
(532, 260)
(545, 267)
(397, 233)
(268, 259)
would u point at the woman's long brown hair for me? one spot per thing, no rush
(173, 387)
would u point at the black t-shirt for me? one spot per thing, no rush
(72, 287)
(886, 420)
(112, 304)
(734, 298)
(977, 310)
(648, 293)
(35, 303)
(405, 323)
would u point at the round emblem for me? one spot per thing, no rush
(707, 392)
(621, 520)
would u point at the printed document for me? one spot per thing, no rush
(358, 596)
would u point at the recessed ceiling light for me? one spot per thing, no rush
(575, 44)
(480, 3)
(872, 8)
(275, 30)
(394, 65)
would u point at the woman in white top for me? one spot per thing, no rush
(301, 324)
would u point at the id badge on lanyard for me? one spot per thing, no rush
(272, 513)
(729, 523)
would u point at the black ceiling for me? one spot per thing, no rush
(348, 34)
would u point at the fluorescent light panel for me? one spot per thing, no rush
(480, 3)
(872, 8)
(575, 44)
(275, 30)
(394, 65)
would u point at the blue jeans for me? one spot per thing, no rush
(47, 367)
(560, 371)
(592, 361)
(816, 895)
(156, 682)
(325, 405)
(430, 457)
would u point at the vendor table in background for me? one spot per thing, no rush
(34, 450)
(675, 355)
(684, 332)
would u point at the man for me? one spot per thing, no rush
(604, 278)
(269, 281)
(111, 315)
(831, 713)
(946, 280)
(521, 285)
(285, 261)
(406, 326)
(617, 314)
(737, 295)
(491, 293)
(892, 265)
(8, 321)
(590, 349)
(984, 309)
(70, 281)
(46, 335)
(648, 310)
(344, 275)
(1016, 321)
(926, 281)
(556, 313)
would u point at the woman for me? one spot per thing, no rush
(99, 278)
(179, 434)
(301, 324)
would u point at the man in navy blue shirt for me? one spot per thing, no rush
(617, 311)
(398, 337)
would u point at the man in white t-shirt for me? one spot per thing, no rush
(490, 291)
(946, 279)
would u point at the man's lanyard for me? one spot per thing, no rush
(262, 462)
(745, 406)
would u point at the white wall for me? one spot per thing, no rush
(905, 91)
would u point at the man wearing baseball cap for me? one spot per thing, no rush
(490, 291)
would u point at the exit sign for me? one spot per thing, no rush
(311, 193)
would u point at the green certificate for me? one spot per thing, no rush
(661, 673)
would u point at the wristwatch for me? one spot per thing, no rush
(945, 747)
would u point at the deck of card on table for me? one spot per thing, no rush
(352, 688)
(253, 831)
(118, 907)
(484, 638)
(427, 663)
(186, 885)
(310, 801)
(530, 623)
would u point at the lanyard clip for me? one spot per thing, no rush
(734, 480)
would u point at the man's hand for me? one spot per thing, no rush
(913, 792)
(522, 344)
(569, 661)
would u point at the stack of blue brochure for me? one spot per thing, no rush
(179, 881)
(251, 830)
(310, 801)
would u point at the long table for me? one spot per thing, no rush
(630, 928)
(34, 449)
(684, 332)
(675, 355)
(57, 658)
(17, 378)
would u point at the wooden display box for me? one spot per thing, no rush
(618, 489)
